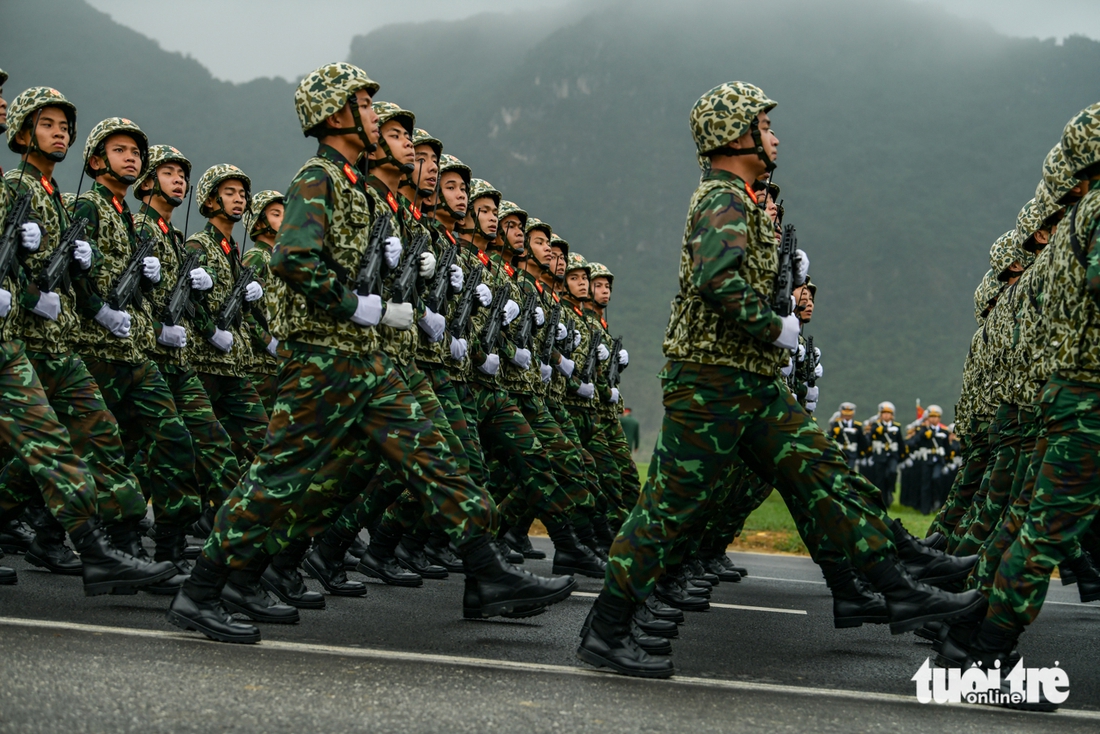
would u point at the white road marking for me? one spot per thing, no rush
(458, 660)
(773, 578)
(720, 606)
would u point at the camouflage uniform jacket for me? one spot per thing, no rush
(467, 260)
(582, 324)
(604, 406)
(496, 275)
(258, 257)
(728, 266)
(326, 229)
(399, 344)
(112, 235)
(555, 391)
(999, 326)
(437, 354)
(516, 380)
(11, 284)
(1031, 361)
(219, 257)
(39, 334)
(1074, 315)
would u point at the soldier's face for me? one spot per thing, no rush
(234, 196)
(123, 154)
(768, 136)
(557, 261)
(274, 214)
(399, 142)
(805, 304)
(3, 108)
(847, 414)
(886, 416)
(172, 180)
(51, 131)
(577, 282)
(454, 191)
(513, 231)
(485, 209)
(601, 290)
(933, 419)
(1042, 237)
(426, 172)
(540, 246)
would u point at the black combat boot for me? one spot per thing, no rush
(587, 536)
(244, 594)
(380, 562)
(410, 554)
(1085, 575)
(911, 603)
(8, 576)
(693, 586)
(609, 642)
(354, 552)
(471, 604)
(651, 624)
(440, 551)
(15, 537)
(326, 564)
(853, 603)
(570, 556)
(282, 578)
(935, 541)
(952, 648)
(671, 591)
(653, 644)
(934, 632)
(198, 606)
(169, 542)
(993, 645)
(48, 550)
(697, 573)
(604, 535)
(929, 566)
(660, 610)
(502, 588)
(518, 539)
(107, 570)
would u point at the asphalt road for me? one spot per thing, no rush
(765, 658)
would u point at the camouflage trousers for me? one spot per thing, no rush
(266, 384)
(629, 482)
(970, 511)
(609, 499)
(967, 481)
(1063, 504)
(996, 485)
(31, 430)
(240, 411)
(140, 393)
(713, 415)
(93, 434)
(330, 401)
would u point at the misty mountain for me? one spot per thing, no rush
(909, 141)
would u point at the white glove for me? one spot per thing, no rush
(458, 349)
(545, 372)
(811, 406)
(253, 292)
(427, 265)
(566, 366)
(603, 352)
(398, 315)
(907, 464)
(392, 251)
(173, 336)
(614, 396)
(30, 236)
(273, 347)
(116, 322)
(5, 303)
(811, 394)
(788, 337)
(540, 316)
(368, 311)
(522, 358)
(484, 295)
(223, 340)
(818, 372)
(201, 280)
(82, 253)
(48, 306)
(624, 358)
(511, 311)
(150, 268)
(576, 338)
(457, 279)
(803, 267)
(563, 333)
(491, 364)
(801, 356)
(586, 390)
(786, 371)
(433, 325)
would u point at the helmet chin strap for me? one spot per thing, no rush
(758, 148)
(405, 168)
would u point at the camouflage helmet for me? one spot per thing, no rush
(30, 100)
(507, 208)
(812, 288)
(105, 129)
(560, 243)
(724, 114)
(985, 295)
(1057, 176)
(255, 223)
(534, 223)
(420, 136)
(211, 179)
(1030, 220)
(448, 162)
(3, 77)
(1002, 254)
(386, 112)
(158, 156)
(599, 270)
(577, 262)
(325, 91)
(1081, 140)
(480, 188)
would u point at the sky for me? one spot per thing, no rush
(269, 40)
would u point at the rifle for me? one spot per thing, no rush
(127, 286)
(547, 346)
(784, 278)
(441, 284)
(811, 362)
(231, 308)
(369, 279)
(593, 356)
(56, 272)
(526, 332)
(12, 237)
(614, 368)
(460, 322)
(491, 333)
(179, 300)
(570, 327)
(403, 289)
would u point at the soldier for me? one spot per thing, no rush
(849, 435)
(265, 215)
(721, 388)
(888, 449)
(930, 443)
(338, 386)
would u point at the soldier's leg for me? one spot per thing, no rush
(267, 387)
(624, 460)
(241, 412)
(998, 486)
(977, 499)
(215, 463)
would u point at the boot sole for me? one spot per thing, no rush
(368, 571)
(434, 575)
(289, 600)
(534, 555)
(186, 624)
(908, 625)
(561, 570)
(15, 550)
(852, 622)
(238, 609)
(313, 574)
(475, 613)
(126, 588)
(692, 608)
(667, 634)
(518, 606)
(162, 590)
(36, 561)
(601, 662)
(1086, 598)
(9, 581)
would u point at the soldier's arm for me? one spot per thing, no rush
(88, 298)
(1092, 272)
(718, 242)
(297, 257)
(203, 321)
(255, 260)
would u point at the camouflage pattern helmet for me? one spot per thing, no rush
(252, 215)
(3, 77)
(448, 162)
(577, 262)
(158, 156)
(724, 114)
(420, 136)
(1002, 254)
(1028, 222)
(534, 223)
(1081, 140)
(30, 100)
(507, 208)
(560, 243)
(480, 188)
(325, 91)
(214, 176)
(812, 288)
(1057, 176)
(985, 295)
(105, 129)
(599, 270)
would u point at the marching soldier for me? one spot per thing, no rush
(888, 450)
(849, 435)
(262, 222)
